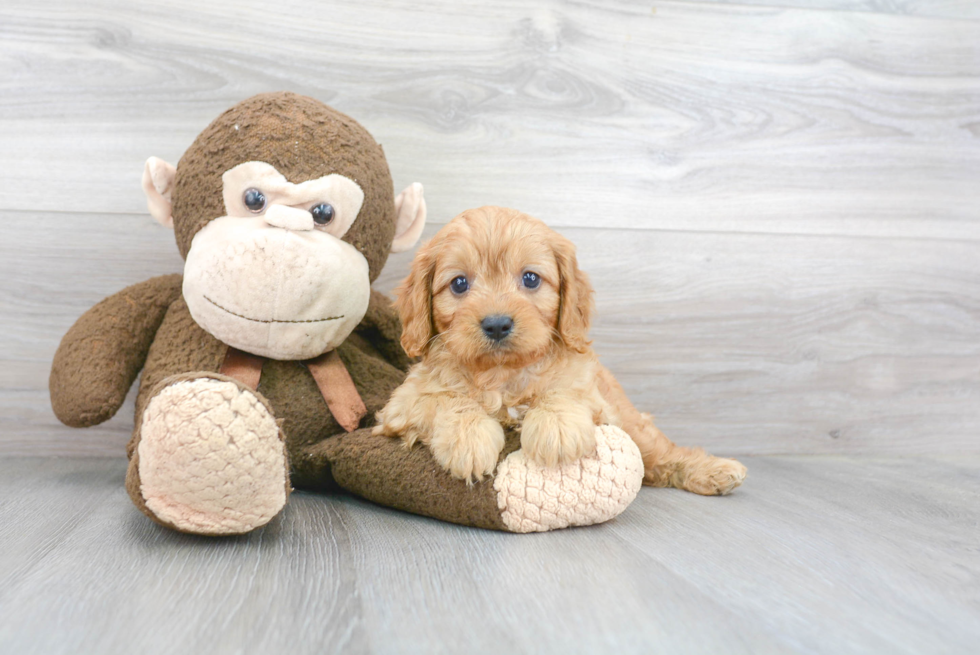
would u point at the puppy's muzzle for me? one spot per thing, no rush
(497, 327)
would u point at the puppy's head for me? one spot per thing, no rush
(498, 288)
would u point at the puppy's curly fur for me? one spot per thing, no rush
(499, 311)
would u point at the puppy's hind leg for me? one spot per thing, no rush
(665, 463)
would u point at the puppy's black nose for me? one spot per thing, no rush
(497, 327)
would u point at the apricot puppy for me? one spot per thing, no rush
(499, 311)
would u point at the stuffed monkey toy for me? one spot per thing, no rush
(264, 363)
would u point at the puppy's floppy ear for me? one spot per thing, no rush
(413, 300)
(575, 302)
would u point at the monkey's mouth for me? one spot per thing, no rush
(262, 320)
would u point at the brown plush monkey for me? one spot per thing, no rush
(265, 362)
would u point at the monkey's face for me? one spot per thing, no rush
(272, 276)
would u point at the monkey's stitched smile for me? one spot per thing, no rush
(259, 320)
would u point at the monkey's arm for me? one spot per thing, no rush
(383, 330)
(104, 351)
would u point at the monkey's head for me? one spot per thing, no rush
(284, 213)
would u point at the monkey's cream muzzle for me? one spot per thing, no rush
(274, 292)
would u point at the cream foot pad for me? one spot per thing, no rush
(211, 460)
(594, 489)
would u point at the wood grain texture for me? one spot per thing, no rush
(695, 116)
(961, 9)
(778, 205)
(814, 555)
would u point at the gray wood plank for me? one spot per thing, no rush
(742, 343)
(959, 9)
(812, 555)
(695, 116)
(836, 555)
(776, 344)
(574, 591)
(43, 502)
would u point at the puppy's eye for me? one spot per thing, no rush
(254, 200)
(459, 285)
(531, 280)
(323, 213)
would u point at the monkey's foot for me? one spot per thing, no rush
(594, 489)
(210, 458)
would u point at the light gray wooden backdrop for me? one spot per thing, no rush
(778, 200)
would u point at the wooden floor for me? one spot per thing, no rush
(817, 554)
(778, 202)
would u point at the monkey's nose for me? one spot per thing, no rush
(288, 218)
(497, 327)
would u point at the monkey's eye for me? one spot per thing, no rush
(531, 280)
(254, 200)
(323, 213)
(459, 285)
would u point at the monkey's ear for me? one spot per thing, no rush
(158, 183)
(410, 212)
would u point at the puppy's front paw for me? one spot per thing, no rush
(389, 430)
(393, 420)
(551, 437)
(467, 444)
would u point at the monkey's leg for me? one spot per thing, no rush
(208, 457)
(521, 496)
(666, 464)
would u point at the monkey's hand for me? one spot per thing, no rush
(104, 351)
